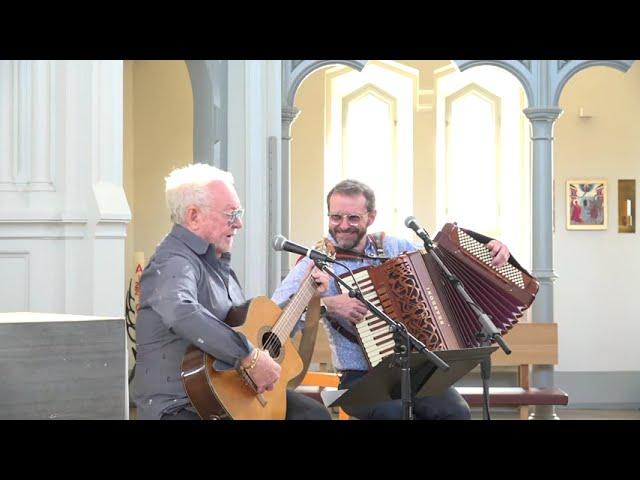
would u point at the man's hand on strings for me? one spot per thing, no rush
(321, 278)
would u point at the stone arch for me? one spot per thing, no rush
(210, 93)
(568, 69)
(520, 69)
(295, 71)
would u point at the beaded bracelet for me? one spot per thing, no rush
(254, 360)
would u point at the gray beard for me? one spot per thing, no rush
(348, 245)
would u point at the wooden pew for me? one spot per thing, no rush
(531, 344)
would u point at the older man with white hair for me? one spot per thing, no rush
(187, 290)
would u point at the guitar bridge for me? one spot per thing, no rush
(251, 384)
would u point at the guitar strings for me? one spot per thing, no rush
(284, 323)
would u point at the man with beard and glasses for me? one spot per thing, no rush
(352, 210)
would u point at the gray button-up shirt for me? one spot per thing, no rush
(186, 294)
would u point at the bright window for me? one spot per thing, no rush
(482, 156)
(471, 166)
(369, 137)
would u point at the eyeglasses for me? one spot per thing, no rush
(234, 215)
(352, 219)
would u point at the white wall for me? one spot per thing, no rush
(598, 271)
(63, 211)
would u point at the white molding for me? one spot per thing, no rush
(26, 287)
(22, 88)
(113, 228)
(42, 228)
(28, 105)
(41, 136)
(422, 104)
(7, 124)
(111, 203)
(445, 70)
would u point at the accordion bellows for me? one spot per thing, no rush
(412, 289)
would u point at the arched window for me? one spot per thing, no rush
(472, 159)
(369, 147)
(369, 137)
(482, 156)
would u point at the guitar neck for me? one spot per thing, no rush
(294, 309)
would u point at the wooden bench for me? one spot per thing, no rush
(531, 344)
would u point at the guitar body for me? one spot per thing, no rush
(227, 395)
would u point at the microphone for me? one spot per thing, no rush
(280, 243)
(410, 222)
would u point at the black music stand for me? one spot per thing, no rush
(383, 382)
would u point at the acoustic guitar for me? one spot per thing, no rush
(231, 394)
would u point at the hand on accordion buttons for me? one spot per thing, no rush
(345, 306)
(500, 253)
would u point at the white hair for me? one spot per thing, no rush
(186, 186)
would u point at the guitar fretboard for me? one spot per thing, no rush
(294, 309)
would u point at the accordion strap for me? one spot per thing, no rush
(308, 340)
(341, 330)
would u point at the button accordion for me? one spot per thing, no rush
(412, 289)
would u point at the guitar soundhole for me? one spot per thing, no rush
(271, 343)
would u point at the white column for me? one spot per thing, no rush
(6, 123)
(22, 118)
(542, 121)
(274, 166)
(236, 153)
(289, 114)
(253, 84)
(41, 158)
(112, 211)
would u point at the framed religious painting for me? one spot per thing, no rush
(586, 202)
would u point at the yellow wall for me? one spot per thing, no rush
(597, 284)
(128, 158)
(307, 163)
(158, 137)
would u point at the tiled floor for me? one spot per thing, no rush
(570, 414)
(563, 413)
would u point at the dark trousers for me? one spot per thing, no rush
(447, 406)
(299, 407)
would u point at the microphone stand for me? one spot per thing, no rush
(488, 331)
(403, 340)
